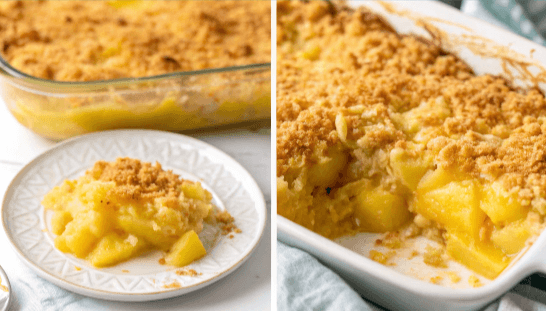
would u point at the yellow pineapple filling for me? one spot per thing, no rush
(378, 132)
(120, 209)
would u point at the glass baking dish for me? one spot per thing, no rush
(173, 102)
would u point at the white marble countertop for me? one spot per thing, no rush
(248, 288)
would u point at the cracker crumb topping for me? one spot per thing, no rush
(350, 62)
(138, 180)
(99, 40)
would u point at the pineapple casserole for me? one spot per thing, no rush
(100, 40)
(120, 209)
(382, 132)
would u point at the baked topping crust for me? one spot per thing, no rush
(347, 62)
(138, 180)
(99, 40)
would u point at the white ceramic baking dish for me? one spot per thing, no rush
(487, 49)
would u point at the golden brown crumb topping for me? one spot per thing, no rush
(138, 180)
(224, 217)
(335, 60)
(97, 40)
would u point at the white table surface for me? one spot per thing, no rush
(248, 288)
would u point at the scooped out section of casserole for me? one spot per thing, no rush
(380, 132)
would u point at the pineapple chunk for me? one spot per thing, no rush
(326, 171)
(292, 203)
(196, 191)
(82, 233)
(112, 249)
(59, 221)
(146, 229)
(511, 239)
(409, 170)
(186, 250)
(437, 179)
(380, 211)
(60, 244)
(500, 206)
(480, 257)
(79, 241)
(412, 121)
(455, 205)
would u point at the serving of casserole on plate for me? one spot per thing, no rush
(422, 150)
(170, 65)
(70, 229)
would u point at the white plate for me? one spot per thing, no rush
(143, 278)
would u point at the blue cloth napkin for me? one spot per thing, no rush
(304, 284)
(32, 293)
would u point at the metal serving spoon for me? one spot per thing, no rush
(5, 290)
